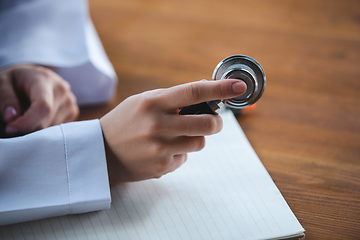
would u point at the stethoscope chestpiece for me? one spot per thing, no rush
(246, 69)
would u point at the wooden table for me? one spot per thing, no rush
(306, 127)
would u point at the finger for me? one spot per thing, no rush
(64, 107)
(184, 144)
(177, 161)
(32, 120)
(201, 91)
(39, 114)
(193, 125)
(68, 111)
(9, 104)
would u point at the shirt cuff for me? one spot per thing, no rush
(87, 176)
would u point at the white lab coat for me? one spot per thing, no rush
(62, 169)
(59, 34)
(56, 171)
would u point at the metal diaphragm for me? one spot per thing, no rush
(246, 69)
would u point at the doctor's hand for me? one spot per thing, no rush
(145, 137)
(34, 97)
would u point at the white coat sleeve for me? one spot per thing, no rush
(56, 171)
(58, 34)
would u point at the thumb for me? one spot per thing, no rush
(9, 104)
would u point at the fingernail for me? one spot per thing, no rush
(11, 130)
(9, 113)
(238, 87)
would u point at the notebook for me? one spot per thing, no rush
(222, 192)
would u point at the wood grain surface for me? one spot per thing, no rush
(306, 127)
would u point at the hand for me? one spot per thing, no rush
(34, 97)
(145, 137)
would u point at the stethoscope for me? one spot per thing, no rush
(234, 67)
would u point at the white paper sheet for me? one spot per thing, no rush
(221, 192)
